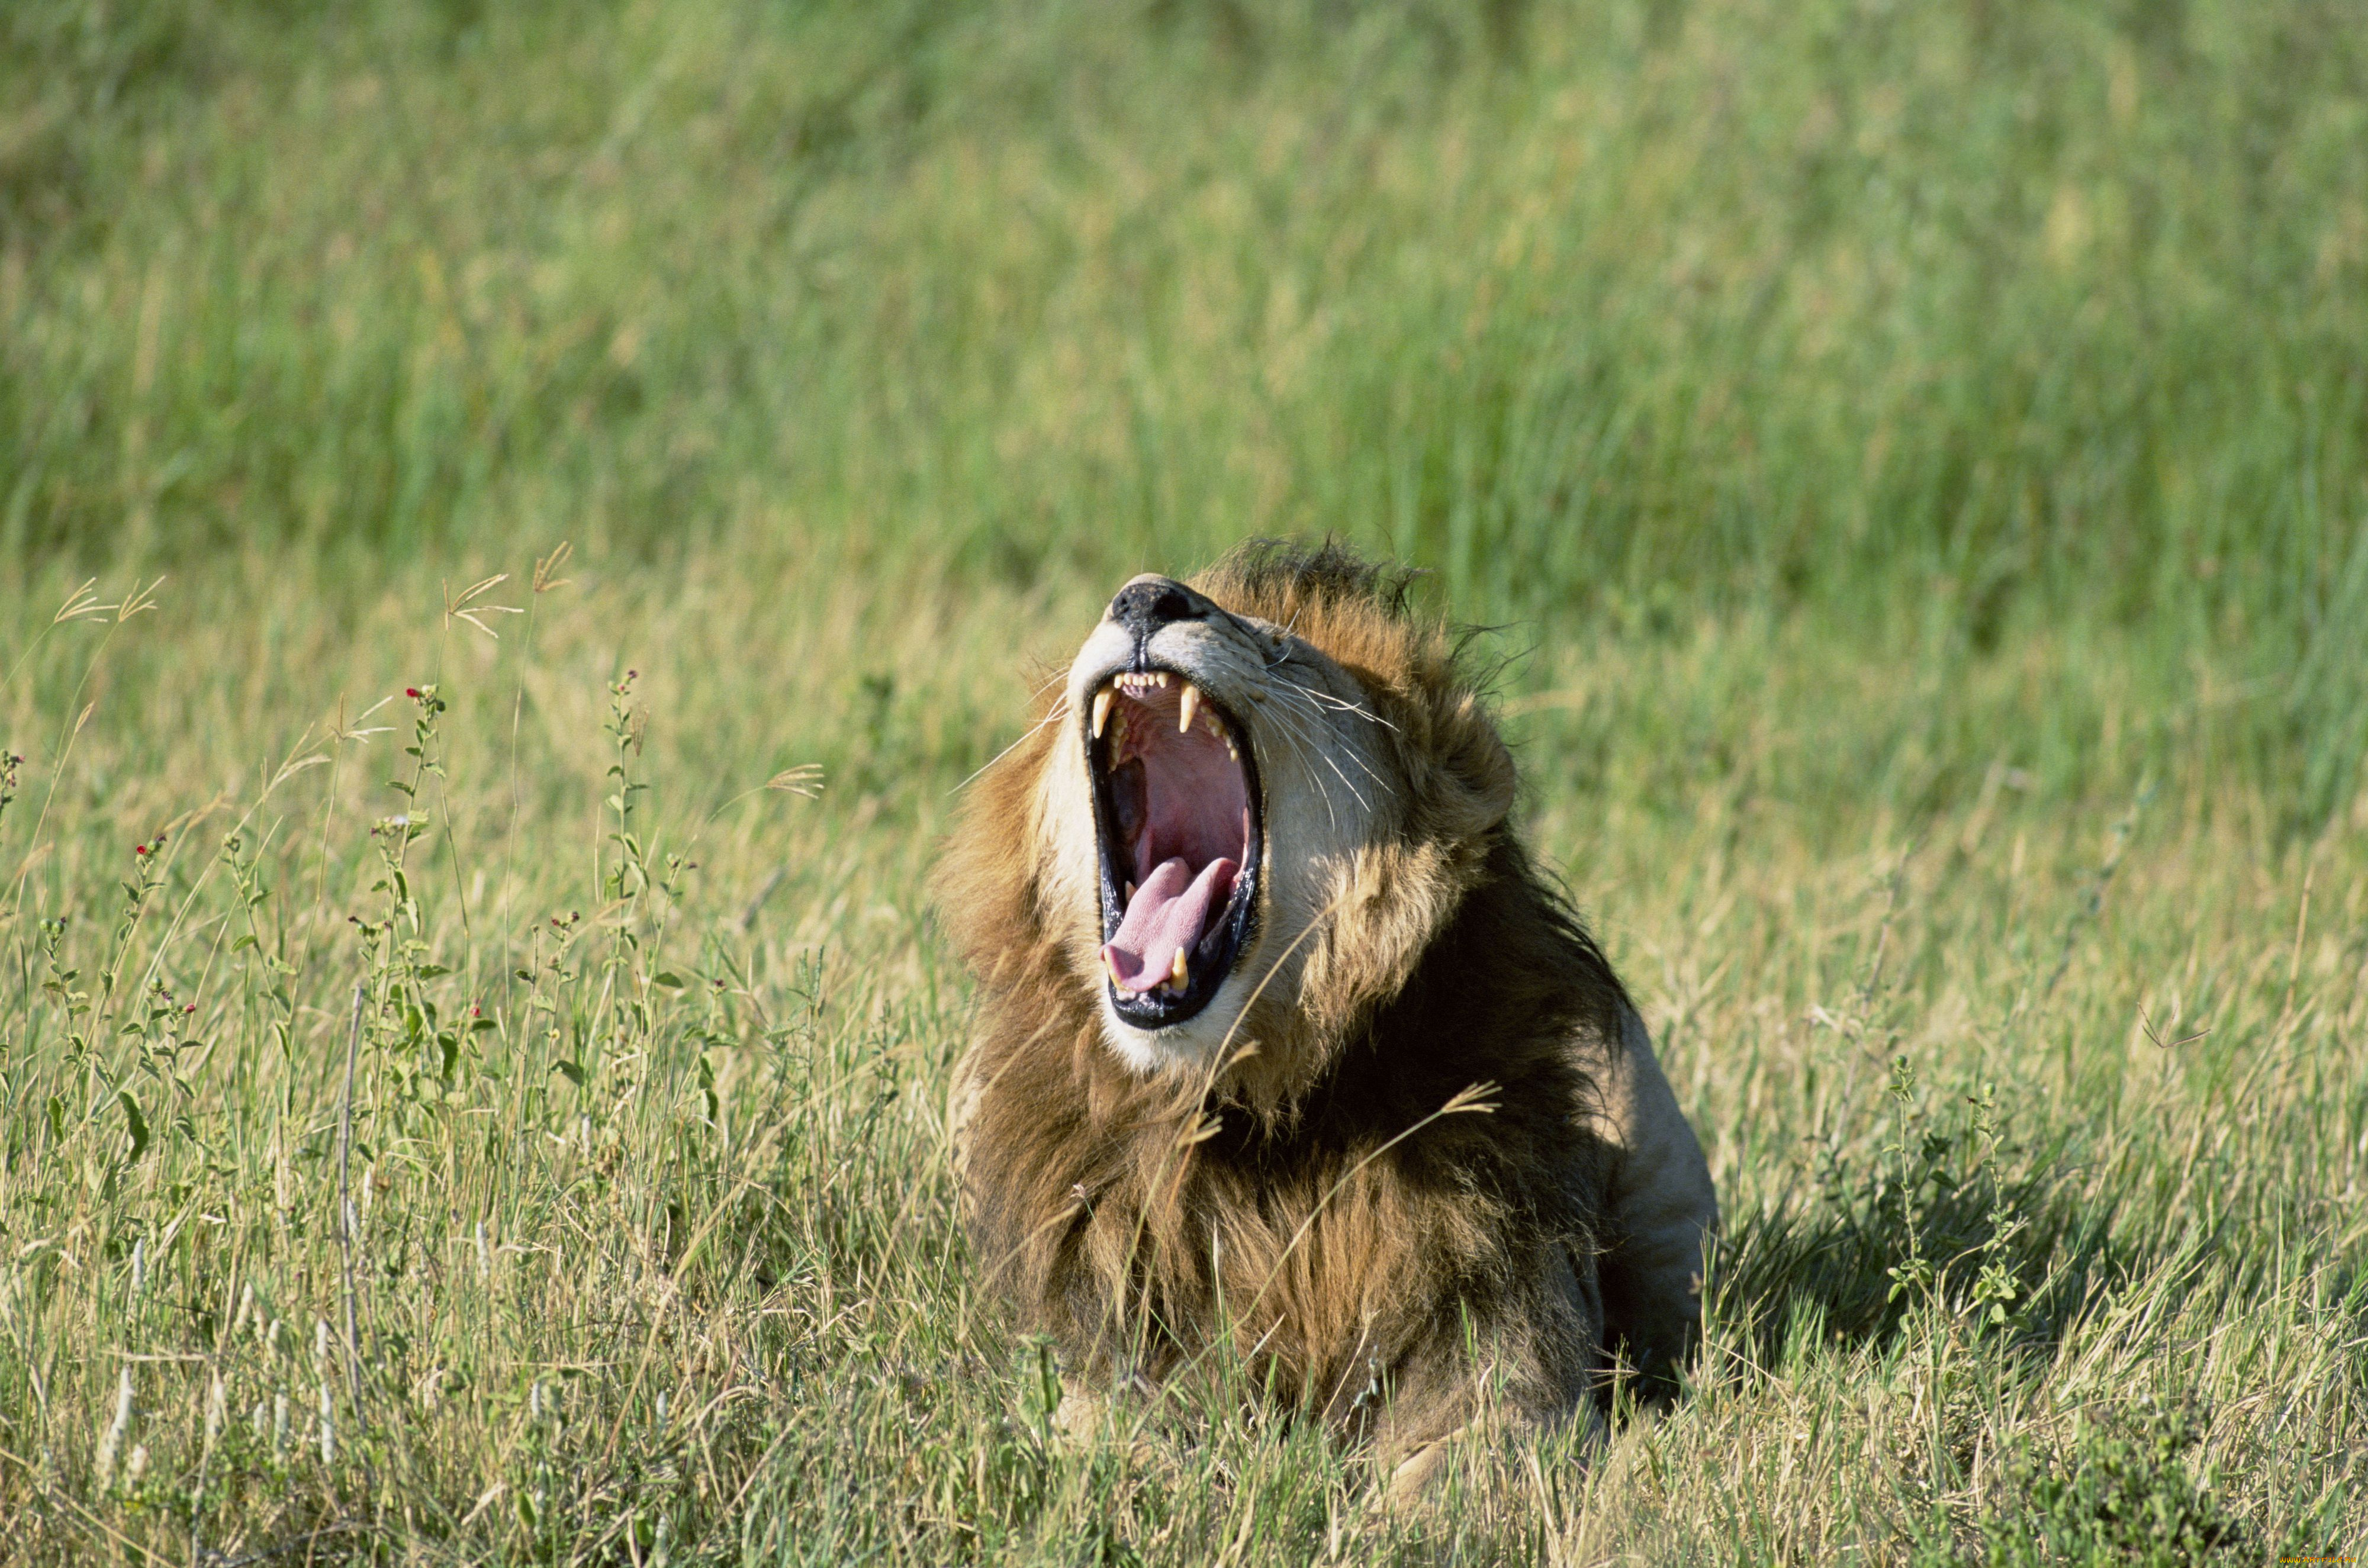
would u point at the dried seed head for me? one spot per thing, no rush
(110, 1443)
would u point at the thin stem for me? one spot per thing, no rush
(346, 1204)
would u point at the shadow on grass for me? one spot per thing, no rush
(1843, 1263)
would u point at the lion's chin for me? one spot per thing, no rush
(1192, 1045)
(1178, 822)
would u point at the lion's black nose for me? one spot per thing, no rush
(1145, 605)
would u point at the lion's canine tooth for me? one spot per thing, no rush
(1112, 964)
(1176, 973)
(1101, 709)
(1129, 892)
(1192, 705)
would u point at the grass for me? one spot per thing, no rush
(1914, 461)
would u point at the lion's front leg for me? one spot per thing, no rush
(1530, 1373)
(1415, 1479)
(1091, 1417)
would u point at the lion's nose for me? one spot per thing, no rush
(1145, 605)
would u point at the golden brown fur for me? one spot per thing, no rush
(1401, 1179)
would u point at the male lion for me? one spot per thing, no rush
(1284, 1045)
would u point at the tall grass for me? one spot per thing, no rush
(1972, 317)
(1915, 455)
(2052, 301)
(2035, 1120)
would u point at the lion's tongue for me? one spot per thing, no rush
(1165, 916)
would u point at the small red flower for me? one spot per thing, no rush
(191, 1008)
(411, 691)
(140, 849)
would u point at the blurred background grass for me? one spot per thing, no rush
(1945, 322)
(1915, 458)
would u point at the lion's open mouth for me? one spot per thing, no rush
(1176, 805)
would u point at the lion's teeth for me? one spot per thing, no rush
(1102, 699)
(1232, 750)
(1176, 974)
(1192, 705)
(1112, 964)
(1159, 678)
(1129, 892)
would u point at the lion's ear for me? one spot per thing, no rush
(1467, 782)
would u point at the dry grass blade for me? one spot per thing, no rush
(356, 730)
(805, 780)
(138, 601)
(546, 569)
(82, 604)
(2146, 1024)
(466, 607)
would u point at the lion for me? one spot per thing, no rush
(1284, 1047)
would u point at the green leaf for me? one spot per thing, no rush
(574, 1072)
(138, 1123)
(668, 979)
(243, 943)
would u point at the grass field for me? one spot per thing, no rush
(1913, 462)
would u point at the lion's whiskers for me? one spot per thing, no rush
(1346, 783)
(1312, 697)
(1290, 728)
(1328, 700)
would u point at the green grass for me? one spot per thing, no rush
(1916, 458)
